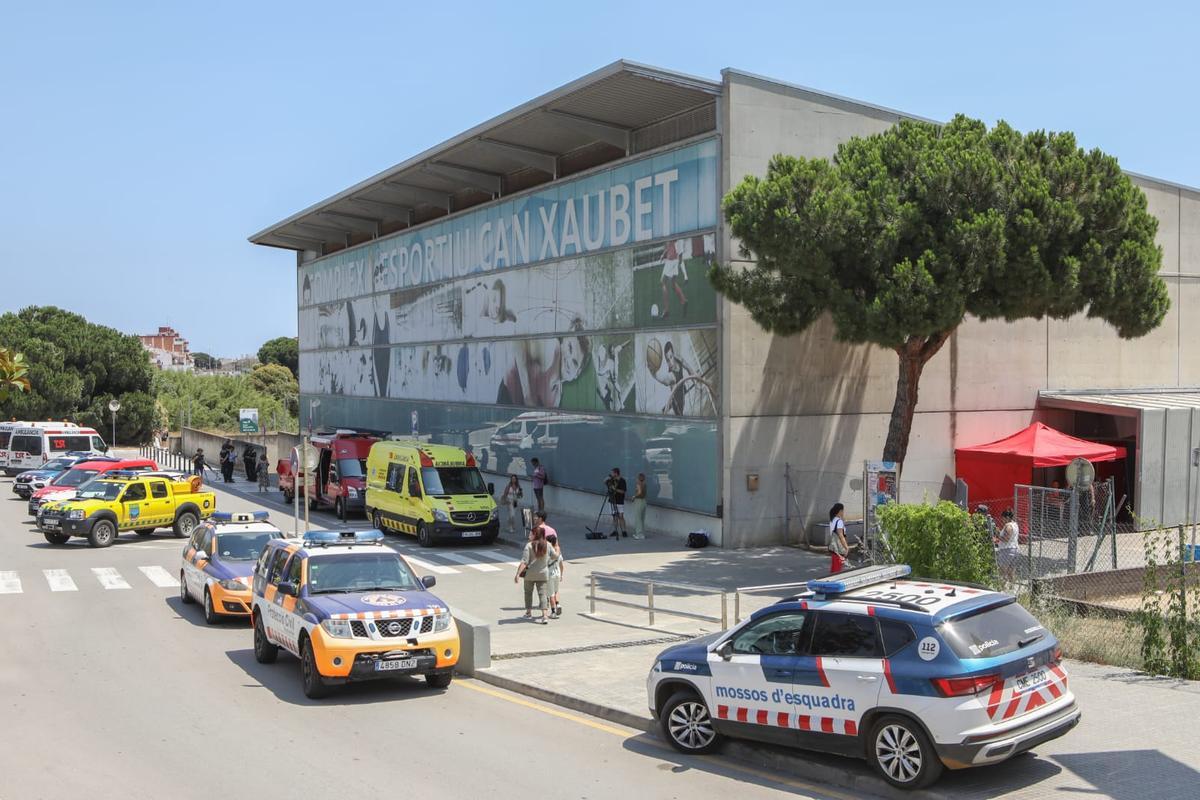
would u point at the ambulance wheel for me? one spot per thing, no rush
(900, 751)
(210, 614)
(339, 508)
(439, 680)
(57, 538)
(687, 725)
(314, 687)
(185, 523)
(424, 538)
(377, 521)
(103, 534)
(264, 651)
(144, 531)
(184, 597)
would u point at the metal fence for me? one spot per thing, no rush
(683, 594)
(1067, 531)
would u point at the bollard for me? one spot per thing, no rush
(650, 601)
(737, 607)
(592, 594)
(724, 612)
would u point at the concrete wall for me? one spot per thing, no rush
(278, 445)
(824, 406)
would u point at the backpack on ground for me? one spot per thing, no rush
(697, 539)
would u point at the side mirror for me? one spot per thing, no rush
(201, 555)
(287, 588)
(491, 488)
(429, 581)
(725, 651)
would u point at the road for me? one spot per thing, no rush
(111, 688)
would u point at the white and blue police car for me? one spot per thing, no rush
(914, 676)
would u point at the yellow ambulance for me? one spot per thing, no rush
(432, 491)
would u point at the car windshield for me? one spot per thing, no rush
(74, 477)
(101, 490)
(453, 480)
(57, 464)
(352, 467)
(995, 632)
(243, 546)
(360, 572)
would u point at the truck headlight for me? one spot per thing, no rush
(75, 513)
(440, 516)
(351, 492)
(232, 585)
(441, 621)
(337, 627)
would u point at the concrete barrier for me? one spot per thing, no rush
(475, 644)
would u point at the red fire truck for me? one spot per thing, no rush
(335, 473)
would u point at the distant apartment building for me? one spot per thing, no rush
(168, 350)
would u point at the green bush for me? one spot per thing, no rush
(212, 401)
(940, 542)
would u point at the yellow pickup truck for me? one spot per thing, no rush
(127, 501)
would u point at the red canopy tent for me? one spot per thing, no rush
(991, 470)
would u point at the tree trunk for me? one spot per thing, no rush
(913, 355)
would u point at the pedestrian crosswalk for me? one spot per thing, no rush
(436, 561)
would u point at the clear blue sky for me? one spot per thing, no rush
(141, 143)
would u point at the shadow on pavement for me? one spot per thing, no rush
(194, 613)
(283, 680)
(1133, 774)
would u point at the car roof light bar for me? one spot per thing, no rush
(857, 578)
(326, 538)
(240, 516)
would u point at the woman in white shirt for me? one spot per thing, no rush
(1008, 546)
(838, 547)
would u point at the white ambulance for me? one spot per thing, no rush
(32, 444)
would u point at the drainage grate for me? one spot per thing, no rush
(589, 648)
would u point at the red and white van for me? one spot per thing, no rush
(6, 429)
(32, 444)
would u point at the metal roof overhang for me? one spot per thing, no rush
(1121, 402)
(590, 121)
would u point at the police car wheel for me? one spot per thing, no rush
(103, 534)
(314, 687)
(210, 613)
(56, 538)
(687, 725)
(184, 597)
(439, 680)
(264, 651)
(901, 753)
(185, 523)
(424, 538)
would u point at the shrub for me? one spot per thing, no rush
(940, 542)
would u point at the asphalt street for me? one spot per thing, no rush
(111, 688)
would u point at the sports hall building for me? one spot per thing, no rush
(536, 287)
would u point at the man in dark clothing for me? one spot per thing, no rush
(251, 461)
(616, 494)
(198, 463)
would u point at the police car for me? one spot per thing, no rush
(218, 562)
(914, 676)
(350, 609)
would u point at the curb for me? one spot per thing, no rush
(836, 772)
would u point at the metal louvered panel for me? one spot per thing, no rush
(677, 128)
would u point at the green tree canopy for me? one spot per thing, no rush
(277, 381)
(72, 365)
(213, 401)
(283, 350)
(204, 361)
(908, 231)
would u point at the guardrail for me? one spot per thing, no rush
(737, 594)
(650, 607)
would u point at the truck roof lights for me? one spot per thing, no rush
(327, 538)
(858, 578)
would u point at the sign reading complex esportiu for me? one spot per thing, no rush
(661, 195)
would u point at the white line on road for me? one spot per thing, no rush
(460, 559)
(109, 578)
(10, 583)
(160, 577)
(497, 556)
(59, 580)
(438, 568)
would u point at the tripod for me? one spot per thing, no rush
(594, 532)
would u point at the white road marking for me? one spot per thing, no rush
(59, 580)
(109, 578)
(497, 556)
(460, 559)
(438, 568)
(160, 577)
(10, 583)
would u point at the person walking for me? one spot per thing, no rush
(639, 507)
(838, 546)
(539, 483)
(1008, 546)
(198, 463)
(617, 488)
(535, 570)
(229, 463)
(262, 472)
(554, 574)
(510, 498)
(539, 518)
(250, 460)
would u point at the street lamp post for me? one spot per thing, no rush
(114, 406)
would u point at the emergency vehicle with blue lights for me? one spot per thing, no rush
(912, 675)
(218, 562)
(350, 609)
